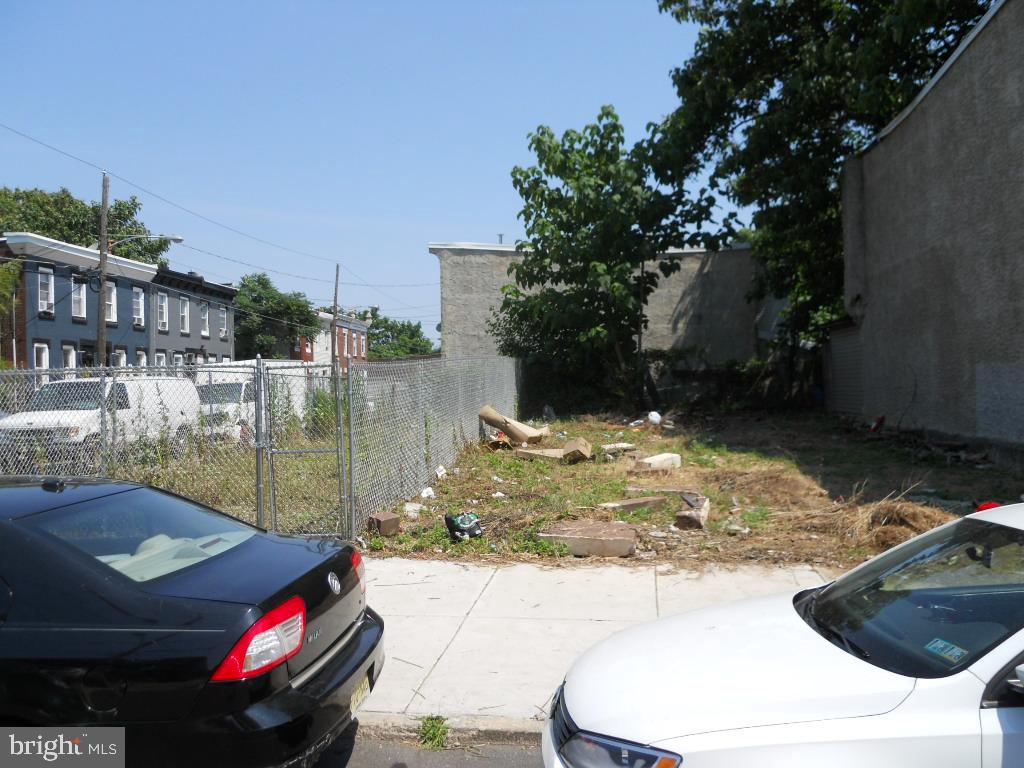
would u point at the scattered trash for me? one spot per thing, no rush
(497, 495)
(456, 471)
(563, 433)
(637, 423)
(412, 509)
(427, 493)
(463, 527)
(518, 431)
(412, 515)
(384, 523)
(652, 502)
(474, 502)
(548, 413)
(613, 448)
(577, 449)
(440, 472)
(663, 461)
(546, 454)
(497, 479)
(695, 512)
(658, 535)
(877, 424)
(734, 529)
(655, 418)
(361, 542)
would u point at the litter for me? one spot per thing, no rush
(577, 449)
(440, 472)
(613, 448)
(654, 417)
(427, 493)
(497, 479)
(497, 495)
(412, 508)
(463, 527)
(637, 423)
(548, 413)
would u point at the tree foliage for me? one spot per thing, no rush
(269, 321)
(64, 217)
(9, 275)
(595, 227)
(389, 338)
(776, 95)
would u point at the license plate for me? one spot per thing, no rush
(361, 692)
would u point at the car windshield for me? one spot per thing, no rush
(67, 396)
(213, 394)
(143, 533)
(929, 608)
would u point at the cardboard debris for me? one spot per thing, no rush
(499, 444)
(577, 449)
(654, 502)
(663, 461)
(695, 512)
(384, 523)
(592, 537)
(517, 431)
(543, 454)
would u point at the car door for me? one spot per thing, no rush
(1002, 719)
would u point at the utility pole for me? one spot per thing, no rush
(101, 311)
(334, 316)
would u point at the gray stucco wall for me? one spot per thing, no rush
(934, 221)
(701, 307)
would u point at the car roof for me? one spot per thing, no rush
(23, 496)
(1011, 515)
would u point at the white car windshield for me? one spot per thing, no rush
(143, 533)
(214, 394)
(67, 396)
(932, 607)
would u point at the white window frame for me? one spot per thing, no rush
(79, 299)
(46, 305)
(138, 307)
(119, 358)
(163, 320)
(35, 356)
(141, 358)
(65, 359)
(363, 338)
(110, 302)
(179, 359)
(204, 319)
(223, 322)
(183, 311)
(344, 336)
(160, 359)
(225, 359)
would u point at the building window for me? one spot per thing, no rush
(70, 356)
(140, 358)
(344, 336)
(111, 303)
(225, 359)
(138, 307)
(183, 314)
(179, 359)
(161, 311)
(211, 358)
(78, 294)
(309, 345)
(46, 290)
(363, 336)
(119, 358)
(204, 320)
(40, 356)
(160, 359)
(223, 322)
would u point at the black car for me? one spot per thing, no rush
(211, 641)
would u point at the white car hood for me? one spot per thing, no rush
(739, 665)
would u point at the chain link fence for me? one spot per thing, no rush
(298, 448)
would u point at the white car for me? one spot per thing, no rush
(915, 658)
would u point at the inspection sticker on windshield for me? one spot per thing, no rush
(948, 651)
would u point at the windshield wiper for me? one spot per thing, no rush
(831, 633)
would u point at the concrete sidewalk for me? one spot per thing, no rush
(471, 642)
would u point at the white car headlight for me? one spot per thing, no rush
(585, 750)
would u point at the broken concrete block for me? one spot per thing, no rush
(645, 471)
(577, 449)
(592, 537)
(412, 510)
(653, 489)
(663, 461)
(695, 512)
(543, 454)
(653, 502)
(384, 523)
(613, 448)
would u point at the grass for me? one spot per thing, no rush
(433, 732)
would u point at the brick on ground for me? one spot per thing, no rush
(592, 537)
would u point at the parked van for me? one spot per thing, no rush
(68, 421)
(228, 409)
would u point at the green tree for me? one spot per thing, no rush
(776, 95)
(389, 338)
(9, 274)
(64, 217)
(595, 232)
(269, 321)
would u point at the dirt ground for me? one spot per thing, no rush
(784, 488)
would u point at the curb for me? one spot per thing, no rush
(462, 730)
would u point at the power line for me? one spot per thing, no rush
(198, 215)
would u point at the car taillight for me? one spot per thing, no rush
(360, 569)
(271, 641)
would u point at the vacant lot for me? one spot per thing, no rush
(809, 488)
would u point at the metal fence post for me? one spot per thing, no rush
(272, 405)
(259, 437)
(339, 440)
(351, 452)
(104, 437)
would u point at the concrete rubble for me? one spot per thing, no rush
(652, 502)
(695, 512)
(592, 537)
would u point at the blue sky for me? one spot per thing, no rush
(357, 132)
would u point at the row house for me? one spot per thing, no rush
(353, 341)
(154, 316)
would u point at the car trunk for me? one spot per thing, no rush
(267, 570)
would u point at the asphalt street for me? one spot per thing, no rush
(353, 752)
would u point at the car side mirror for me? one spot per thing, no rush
(1017, 685)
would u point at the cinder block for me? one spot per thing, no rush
(384, 523)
